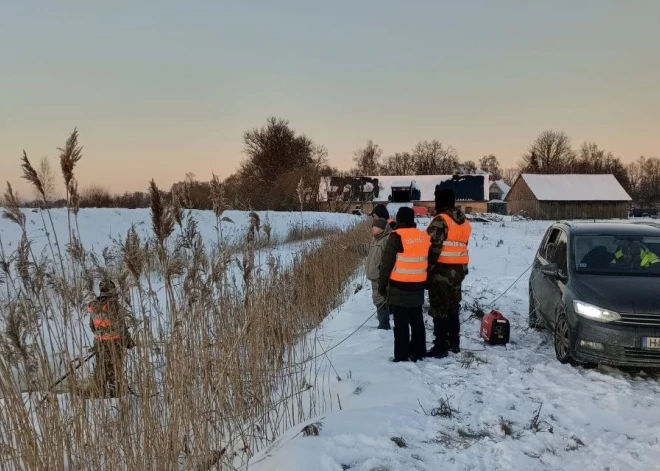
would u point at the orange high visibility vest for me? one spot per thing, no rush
(411, 265)
(102, 325)
(454, 249)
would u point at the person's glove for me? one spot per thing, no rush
(382, 290)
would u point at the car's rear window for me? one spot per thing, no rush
(617, 255)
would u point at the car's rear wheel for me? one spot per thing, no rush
(534, 319)
(563, 339)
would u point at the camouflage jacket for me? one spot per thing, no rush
(438, 230)
(108, 318)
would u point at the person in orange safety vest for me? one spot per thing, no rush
(402, 281)
(107, 320)
(448, 265)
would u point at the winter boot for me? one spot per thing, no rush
(440, 347)
(383, 314)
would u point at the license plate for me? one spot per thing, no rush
(651, 343)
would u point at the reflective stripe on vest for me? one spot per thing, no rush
(454, 249)
(102, 325)
(411, 265)
(649, 258)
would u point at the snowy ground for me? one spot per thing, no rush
(392, 415)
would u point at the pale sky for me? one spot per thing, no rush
(158, 89)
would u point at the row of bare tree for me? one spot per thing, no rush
(553, 153)
(426, 158)
(282, 170)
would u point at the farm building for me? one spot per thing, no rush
(554, 197)
(498, 191)
(364, 193)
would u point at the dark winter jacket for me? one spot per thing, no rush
(398, 294)
(438, 231)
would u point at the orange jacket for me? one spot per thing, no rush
(454, 248)
(411, 265)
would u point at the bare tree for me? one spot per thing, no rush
(398, 164)
(367, 160)
(635, 171)
(95, 196)
(468, 167)
(489, 163)
(510, 175)
(550, 153)
(432, 158)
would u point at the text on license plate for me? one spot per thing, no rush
(651, 342)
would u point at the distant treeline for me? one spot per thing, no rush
(282, 171)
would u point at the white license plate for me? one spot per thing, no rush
(651, 343)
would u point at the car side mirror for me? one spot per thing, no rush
(551, 270)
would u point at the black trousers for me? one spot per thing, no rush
(409, 333)
(447, 330)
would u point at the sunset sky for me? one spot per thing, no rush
(158, 89)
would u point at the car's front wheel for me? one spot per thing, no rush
(534, 318)
(563, 349)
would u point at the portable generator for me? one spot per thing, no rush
(495, 328)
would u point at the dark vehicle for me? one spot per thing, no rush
(596, 287)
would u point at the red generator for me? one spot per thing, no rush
(495, 328)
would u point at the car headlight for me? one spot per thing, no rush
(594, 312)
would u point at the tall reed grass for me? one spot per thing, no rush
(226, 356)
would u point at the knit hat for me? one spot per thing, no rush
(405, 216)
(381, 211)
(107, 288)
(444, 198)
(380, 223)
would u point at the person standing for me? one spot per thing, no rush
(448, 265)
(374, 253)
(402, 281)
(107, 320)
(380, 211)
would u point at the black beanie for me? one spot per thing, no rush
(444, 199)
(405, 216)
(381, 211)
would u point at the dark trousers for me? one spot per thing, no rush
(384, 316)
(447, 330)
(409, 333)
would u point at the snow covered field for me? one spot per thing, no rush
(99, 228)
(475, 410)
(472, 411)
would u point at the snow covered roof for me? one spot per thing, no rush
(424, 183)
(575, 187)
(504, 188)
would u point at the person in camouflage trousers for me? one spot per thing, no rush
(448, 266)
(107, 320)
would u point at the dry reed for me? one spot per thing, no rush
(223, 365)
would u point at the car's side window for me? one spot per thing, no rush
(560, 256)
(547, 250)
